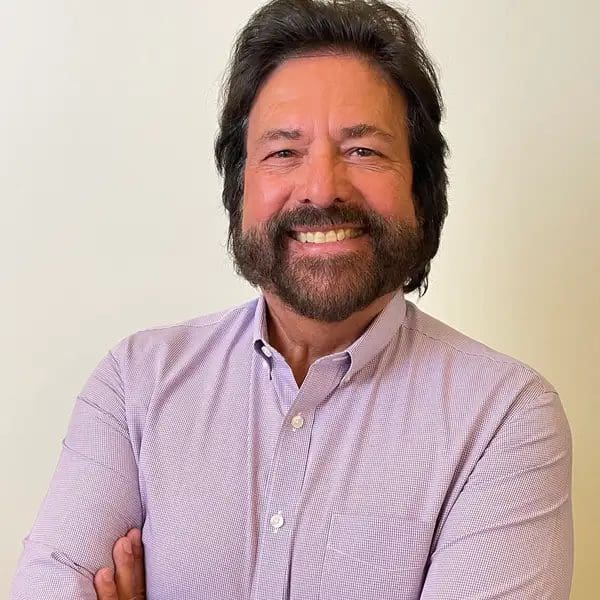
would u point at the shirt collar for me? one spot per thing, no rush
(364, 349)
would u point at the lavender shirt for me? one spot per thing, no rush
(416, 464)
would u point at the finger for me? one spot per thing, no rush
(124, 574)
(105, 585)
(135, 537)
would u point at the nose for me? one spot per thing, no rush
(325, 180)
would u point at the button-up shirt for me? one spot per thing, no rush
(415, 464)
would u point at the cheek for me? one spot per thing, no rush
(390, 197)
(264, 197)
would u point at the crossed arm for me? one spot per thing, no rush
(508, 535)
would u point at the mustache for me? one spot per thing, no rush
(311, 216)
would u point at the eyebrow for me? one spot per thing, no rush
(365, 130)
(278, 134)
(354, 131)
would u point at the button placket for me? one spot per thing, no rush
(287, 476)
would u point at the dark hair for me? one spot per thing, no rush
(370, 28)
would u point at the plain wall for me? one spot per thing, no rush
(112, 222)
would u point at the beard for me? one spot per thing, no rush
(329, 287)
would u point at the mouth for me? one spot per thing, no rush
(326, 236)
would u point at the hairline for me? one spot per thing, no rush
(327, 49)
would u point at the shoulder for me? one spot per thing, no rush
(468, 360)
(206, 331)
(481, 391)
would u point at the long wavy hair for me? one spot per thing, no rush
(388, 37)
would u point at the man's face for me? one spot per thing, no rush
(327, 150)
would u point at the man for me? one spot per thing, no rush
(328, 439)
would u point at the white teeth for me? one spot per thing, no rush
(320, 237)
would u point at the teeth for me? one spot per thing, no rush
(320, 237)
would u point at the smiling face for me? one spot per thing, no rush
(328, 219)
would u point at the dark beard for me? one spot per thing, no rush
(330, 287)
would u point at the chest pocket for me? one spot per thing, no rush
(379, 557)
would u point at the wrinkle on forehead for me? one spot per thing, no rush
(358, 92)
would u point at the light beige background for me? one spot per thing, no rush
(111, 216)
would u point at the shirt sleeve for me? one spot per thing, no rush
(93, 497)
(509, 535)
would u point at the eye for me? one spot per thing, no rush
(365, 152)
(281, 154)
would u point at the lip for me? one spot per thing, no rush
(325, 228)
(339, 246)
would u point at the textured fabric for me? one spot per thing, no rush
(417, 463)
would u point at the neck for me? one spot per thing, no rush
(301, 340)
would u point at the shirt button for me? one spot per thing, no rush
(277, 520)
(266, 351)
(297, 421)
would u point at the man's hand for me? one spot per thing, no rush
(128, 582)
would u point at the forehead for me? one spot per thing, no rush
(332, 90)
